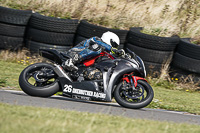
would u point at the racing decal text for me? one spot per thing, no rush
(69, 89)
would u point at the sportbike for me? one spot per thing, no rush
(101, 78)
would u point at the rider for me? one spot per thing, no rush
(92, 47)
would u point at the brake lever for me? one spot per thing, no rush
(134, 55)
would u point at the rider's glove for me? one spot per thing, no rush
(120, 52)
(127, 55)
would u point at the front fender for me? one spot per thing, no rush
(135, 79)
(122, 68)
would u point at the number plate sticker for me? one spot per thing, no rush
(67, 88)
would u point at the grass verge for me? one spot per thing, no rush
(34, 119)
(11, 65)
(176, 100)
(10, 72)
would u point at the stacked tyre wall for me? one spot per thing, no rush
(19, 28)
(86, 30)
(50, 33)
(154, 50)
(13, 24)
(186, 61)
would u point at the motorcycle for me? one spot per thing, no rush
(100, 78)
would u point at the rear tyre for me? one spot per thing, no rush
(141, 97)
(32, 85)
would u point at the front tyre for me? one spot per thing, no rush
(33, 81)
(134, 99)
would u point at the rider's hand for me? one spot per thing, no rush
(120, 52)
(127, 55)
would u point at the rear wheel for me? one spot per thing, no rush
(39, 80)
(136, 98)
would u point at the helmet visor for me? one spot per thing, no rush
(113, 43)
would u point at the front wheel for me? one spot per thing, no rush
(136, 98)
(39, 80)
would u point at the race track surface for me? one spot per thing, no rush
(20, 98)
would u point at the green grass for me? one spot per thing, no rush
(165, 97)
(176, 100)
(10, 72)
(2, 82)
(22, 119)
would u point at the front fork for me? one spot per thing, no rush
(130, 78)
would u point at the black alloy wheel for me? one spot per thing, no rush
(39, 80)
(136, 98)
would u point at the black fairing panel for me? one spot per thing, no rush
(123, 67)
(105, 65)
(86, 89)
(52, 55)
(113, 71)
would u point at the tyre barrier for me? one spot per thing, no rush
(188, 49)
(50, 32)
(181, 75)
(12, 27)
(40, 31)
(12, 30)
(10, 43)
(50, 37)
(154, 50)
(140, 39)
(186, 60)
(14, 17)
(53, 24)
(35, 46)
(151, 55)
(87, 30)
(153, 69)
(186, 63)
(79, 39)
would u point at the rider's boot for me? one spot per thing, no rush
(69, 65)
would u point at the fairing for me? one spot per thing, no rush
(112, 78)
(112, 70)
(51, 55)
(86, 89)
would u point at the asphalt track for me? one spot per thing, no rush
(20, 98)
